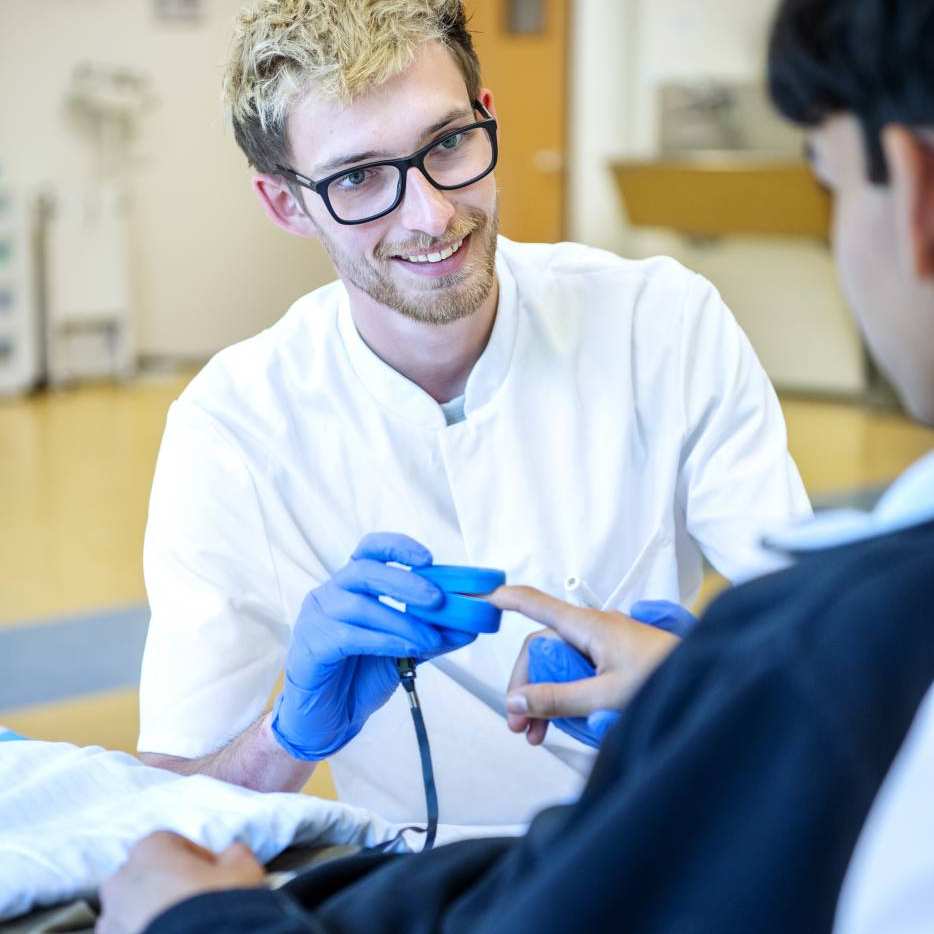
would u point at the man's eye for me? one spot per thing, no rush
(452, 142)
(354, 179)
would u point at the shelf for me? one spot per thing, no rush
(724, 194)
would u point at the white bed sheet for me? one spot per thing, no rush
(69, 816)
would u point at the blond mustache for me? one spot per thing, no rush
(428, 244)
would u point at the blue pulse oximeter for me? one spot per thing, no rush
(463, 586)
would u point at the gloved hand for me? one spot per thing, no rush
(663, 614)
(554, 660)
(341, 666)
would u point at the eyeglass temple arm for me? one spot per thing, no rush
(297, 176)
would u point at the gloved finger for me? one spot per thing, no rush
(392, 546)
(359, 613)
(663, 614)
(331, 621)
(453, 639)
(555, 660)
(379, 644)
(366, 576)
(577, 728)
(600, 722)
(518, 722)
(550, 699)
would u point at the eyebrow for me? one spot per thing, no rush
(332, 165)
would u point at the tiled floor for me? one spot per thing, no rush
(75, 470)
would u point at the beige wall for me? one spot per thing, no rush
(208, 268)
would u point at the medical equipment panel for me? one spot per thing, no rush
(19, 317)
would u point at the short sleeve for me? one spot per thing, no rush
(737, 479)
(217, 635)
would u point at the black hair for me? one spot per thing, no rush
(873, 59)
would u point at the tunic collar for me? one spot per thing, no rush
(400, 396)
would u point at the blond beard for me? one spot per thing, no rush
(445, 299)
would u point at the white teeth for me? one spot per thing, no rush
(436, 257)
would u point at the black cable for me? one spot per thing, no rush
(407, 676)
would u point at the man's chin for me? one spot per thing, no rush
(437, 310)
(441, 299)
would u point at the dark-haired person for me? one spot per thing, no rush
(793, 727)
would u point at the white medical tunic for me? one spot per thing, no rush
(617, 426)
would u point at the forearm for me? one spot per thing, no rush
(254, 760)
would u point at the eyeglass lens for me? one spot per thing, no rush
(454, 161)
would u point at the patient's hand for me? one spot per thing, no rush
(164, 869)
(623, 651)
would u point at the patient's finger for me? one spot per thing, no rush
(520, 677)
(577, 625)
(569, 699)
(536, 732)
(240, 858)
(164, 843)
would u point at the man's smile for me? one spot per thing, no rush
(439, 262)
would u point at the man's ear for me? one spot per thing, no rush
(282, 207)
(486, 98)
(910, 158)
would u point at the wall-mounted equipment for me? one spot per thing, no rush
(179, 10)
(19, 316)
(89, 307)
(525, 17)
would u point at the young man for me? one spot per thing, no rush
(553, 411)
(733, 792)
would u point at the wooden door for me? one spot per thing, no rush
(522, 46)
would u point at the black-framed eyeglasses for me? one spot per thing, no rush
(369, 191)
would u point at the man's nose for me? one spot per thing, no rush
(424, 207)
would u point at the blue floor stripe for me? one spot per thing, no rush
(54, 660)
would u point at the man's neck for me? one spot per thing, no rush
(436, 357)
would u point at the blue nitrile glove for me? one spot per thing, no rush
(341, 665)
(663, 614)
(553, 660)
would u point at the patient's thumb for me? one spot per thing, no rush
(551, 699)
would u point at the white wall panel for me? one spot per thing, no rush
(207, 267)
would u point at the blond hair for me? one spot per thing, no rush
(281, 48)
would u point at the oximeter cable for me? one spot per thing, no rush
(406, 668)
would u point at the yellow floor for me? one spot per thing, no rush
(75, 470)
(840, 447)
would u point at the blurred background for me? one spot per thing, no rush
(132, 249)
